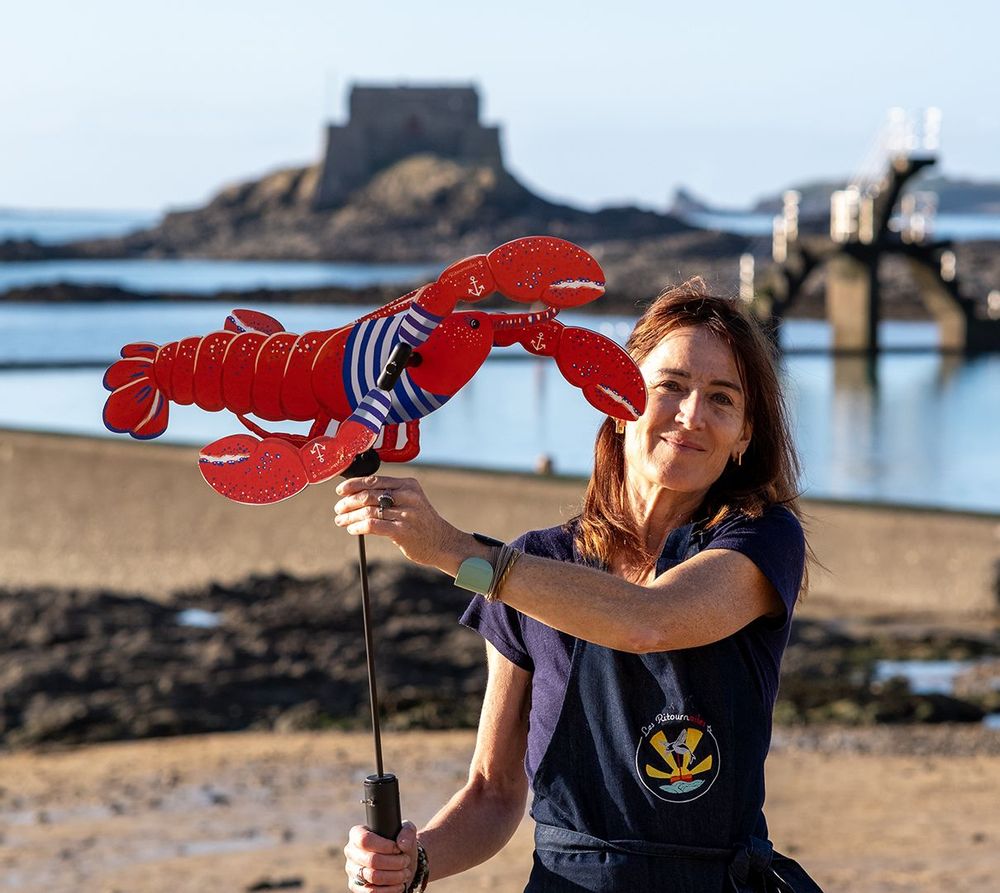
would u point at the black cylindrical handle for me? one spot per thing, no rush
(364, 464)
(397, 362)
(382, 805)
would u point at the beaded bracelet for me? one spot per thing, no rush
(422, 875)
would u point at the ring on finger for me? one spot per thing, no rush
(359, 877)
(385, 501)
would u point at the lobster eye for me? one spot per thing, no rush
(474, 323)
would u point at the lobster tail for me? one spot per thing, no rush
(136, 406)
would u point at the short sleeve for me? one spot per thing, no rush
(775, 543)
(500, 626)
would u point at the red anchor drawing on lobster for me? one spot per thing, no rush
(338, 378)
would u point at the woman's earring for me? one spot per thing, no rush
(739, 458)
(619, 426)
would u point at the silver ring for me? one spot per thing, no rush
(359, 878)
(385, 501)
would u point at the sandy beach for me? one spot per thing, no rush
(863, 811)
(866, 810)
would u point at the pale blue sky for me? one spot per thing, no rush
(131, 104)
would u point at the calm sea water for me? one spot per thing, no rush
(916, 429)
(202, 277)
(958, 227)
(186, 276)
(50, 227)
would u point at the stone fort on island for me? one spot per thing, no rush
(387, 124)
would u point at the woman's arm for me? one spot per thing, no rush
(702, 600)
(476, 823)
(479, 820)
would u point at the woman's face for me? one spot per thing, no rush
(694, 421)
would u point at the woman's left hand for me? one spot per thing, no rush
(411, 522)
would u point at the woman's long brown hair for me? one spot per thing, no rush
(769, 470)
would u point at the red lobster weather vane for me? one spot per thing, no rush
(366, 386)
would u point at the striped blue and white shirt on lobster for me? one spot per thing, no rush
(366, 353)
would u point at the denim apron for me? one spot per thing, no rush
(654, 776)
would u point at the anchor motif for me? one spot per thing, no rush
(475, 288)
(539, 342)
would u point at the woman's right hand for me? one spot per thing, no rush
(378, 864)
(411, 522)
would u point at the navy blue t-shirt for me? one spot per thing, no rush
(774, 542)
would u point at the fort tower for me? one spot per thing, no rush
(387, 124)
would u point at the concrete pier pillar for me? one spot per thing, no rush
(951, 317)
(852, 303)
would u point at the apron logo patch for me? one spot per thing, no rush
(678, 757)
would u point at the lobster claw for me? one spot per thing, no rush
(532, 269)
(543, 268)
(252, 471)
(607, 375)
(260, 472)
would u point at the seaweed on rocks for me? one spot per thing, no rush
(275, 652)
(829, 675)
(285, 654)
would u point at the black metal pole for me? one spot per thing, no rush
(366, 616)
(381, 800)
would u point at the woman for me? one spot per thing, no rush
(634, 653)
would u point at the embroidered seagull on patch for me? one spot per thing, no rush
(680, 745)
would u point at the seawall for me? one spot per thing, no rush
(137, 517)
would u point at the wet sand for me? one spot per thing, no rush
(253, 811)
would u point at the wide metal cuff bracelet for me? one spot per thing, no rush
(475, 574)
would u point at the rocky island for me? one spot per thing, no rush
(414, 177)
